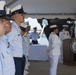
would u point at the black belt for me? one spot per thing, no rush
(18, 57)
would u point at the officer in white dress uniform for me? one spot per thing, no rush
(27, 45)
(26, 42)
(64, 34)
(15, 39)
(6, 58)
(23, 29)
(54, 49)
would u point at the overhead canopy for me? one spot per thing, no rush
(45, 6)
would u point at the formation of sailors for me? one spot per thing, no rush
(12, 59)
(15, 42)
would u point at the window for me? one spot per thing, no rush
(34, 23)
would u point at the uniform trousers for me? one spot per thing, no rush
(27, 59)
(23, 64)
(61, 56)
(18, 65)
(53, 64)
(34, 41)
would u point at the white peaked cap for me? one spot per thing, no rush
(65, 26)
(53, 26)
(16, 8)
(24, 25)
(2, 4)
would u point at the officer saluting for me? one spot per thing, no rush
(14, 37)
(1, 34)
(7, 66)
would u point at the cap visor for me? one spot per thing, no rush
(24, 13)
(8, 18)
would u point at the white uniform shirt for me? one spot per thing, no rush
(15, 40)
(64, 35)
(54, 44)
(0, 64)
(23, 46)
(34, 35)
(8, 67)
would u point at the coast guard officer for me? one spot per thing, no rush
(6, 58)
(54, 49)
(15, 39)
(1, 32)
(34, 36)
(64, 34)
(27, 45)
(23, 30)
(26, 42)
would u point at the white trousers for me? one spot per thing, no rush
(53, 64)
(61, 56)
(26, 59)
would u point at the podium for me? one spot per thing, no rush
(69, 56)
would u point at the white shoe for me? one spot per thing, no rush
(28, 64)
(61, 61)
(27, 72)
(26, 67)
